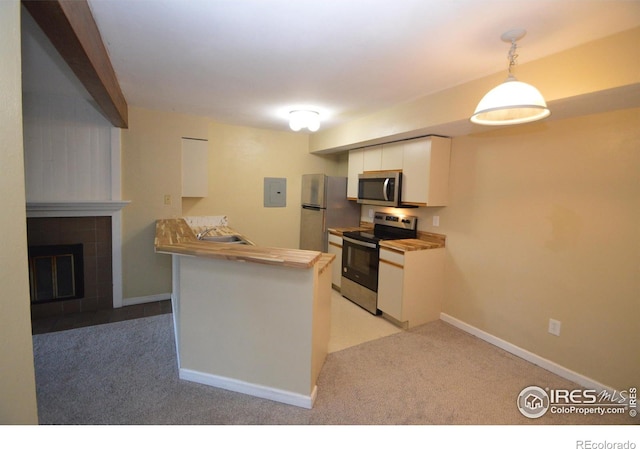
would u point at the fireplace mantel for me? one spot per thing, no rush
(74, 208)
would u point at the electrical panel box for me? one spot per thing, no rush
(275, 192)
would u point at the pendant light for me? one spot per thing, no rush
(512, 102)
(304, 119)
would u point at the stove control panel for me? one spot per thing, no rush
(398, 221)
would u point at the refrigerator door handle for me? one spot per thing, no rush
(305, 206)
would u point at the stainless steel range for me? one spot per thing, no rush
(360, 257)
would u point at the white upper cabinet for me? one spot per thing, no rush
(425, 173)
(383, 157)
(392, 156)
(195, 168)
(372, 159)
(424, 163)
(356, 166)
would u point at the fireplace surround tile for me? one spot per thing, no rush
(95, 235)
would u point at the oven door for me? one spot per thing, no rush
(360, 262)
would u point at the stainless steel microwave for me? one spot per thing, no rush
(381, 188)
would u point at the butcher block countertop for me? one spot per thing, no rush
(174, 236)
(425, 240)
(405, 245)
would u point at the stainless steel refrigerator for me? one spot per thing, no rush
(324, 205)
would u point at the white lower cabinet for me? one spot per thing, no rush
(335, 247)
(411, 285)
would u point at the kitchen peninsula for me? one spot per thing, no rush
(247, 318)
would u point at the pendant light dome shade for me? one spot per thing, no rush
(511, 103)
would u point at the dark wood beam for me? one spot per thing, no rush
(70, 27)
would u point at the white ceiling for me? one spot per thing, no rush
(248, 62)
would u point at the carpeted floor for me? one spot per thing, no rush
(126, 373)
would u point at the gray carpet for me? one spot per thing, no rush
(126, 373)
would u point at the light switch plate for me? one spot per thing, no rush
(554, 327)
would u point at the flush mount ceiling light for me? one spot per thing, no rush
(513, 101)
(304, 119)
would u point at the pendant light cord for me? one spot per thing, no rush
(512, 55)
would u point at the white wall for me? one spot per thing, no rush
(67, 149)
(67, 140)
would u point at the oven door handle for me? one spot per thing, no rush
(359, 242)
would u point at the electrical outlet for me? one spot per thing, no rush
(167, 200)
(554, 327)
(436, 220)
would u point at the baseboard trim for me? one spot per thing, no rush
(145, 299)
(260, 391)
(531, 357)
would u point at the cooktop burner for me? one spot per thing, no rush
(388, 227)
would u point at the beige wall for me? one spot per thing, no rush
(543, 223)
(17, 379)
(240, 159)
(151, 162)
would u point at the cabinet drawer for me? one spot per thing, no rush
(335, 239)
(392, 257)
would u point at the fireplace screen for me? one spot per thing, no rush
(56, 272)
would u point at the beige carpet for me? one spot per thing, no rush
(126, 373)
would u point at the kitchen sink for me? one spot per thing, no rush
(224, 239)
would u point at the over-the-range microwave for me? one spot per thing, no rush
(381, 188)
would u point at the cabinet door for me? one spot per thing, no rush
(392, 156)
(373, 158)
(195, 168)
(416, 171)
(356, 166)
(425, 173)
(335, 247)
(391, 284)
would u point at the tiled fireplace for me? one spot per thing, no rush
(96, 226)
(91, 237)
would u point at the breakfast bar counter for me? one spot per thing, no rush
(249, 319)
(174, 236)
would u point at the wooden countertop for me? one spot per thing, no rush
(410, 245)
(364, 226)
(174, 236)
(324, 262)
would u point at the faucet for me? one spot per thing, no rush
(199, 235)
